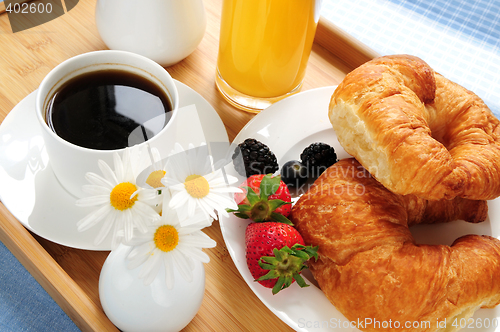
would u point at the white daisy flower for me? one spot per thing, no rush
(152, 167)
(152, 171)
(194, 184)
(117, 202)
(170, 246)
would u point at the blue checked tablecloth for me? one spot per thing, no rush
(24, 304)
(458, 38)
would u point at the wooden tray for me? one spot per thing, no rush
(71, 276)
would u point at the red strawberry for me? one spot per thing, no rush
(264, 198)
(276, 254)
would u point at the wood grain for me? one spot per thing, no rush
(337, 41)
(71, 275)
(2, 5)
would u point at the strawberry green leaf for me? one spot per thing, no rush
(241, 208)
(269, 185)
(312, 252)
(272, 274)
(280, 218)
(257, 205)
(252, 196)
(279, 285)
(309, 250)
(288, 282)
(300, 281)
(244, 208)
(241, 215)
(286, 264)
(298, 246)
(301, 254)
(277, 254)
(276, 203)
(269, 259)
(266, 266)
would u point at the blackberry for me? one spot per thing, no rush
(255, 158)
(317, 157)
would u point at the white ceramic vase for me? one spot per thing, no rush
(165, 31)
(132, 306)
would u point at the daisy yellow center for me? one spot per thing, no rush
(166, 238)
(154, 179)
(197, 186)
(120, 196)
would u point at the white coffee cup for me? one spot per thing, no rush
(71, 162)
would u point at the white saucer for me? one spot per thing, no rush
(30, 190)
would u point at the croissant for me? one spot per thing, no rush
(416, 131)
(372, 270)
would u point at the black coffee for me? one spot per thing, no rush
(100, 110)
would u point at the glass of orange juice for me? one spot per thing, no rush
(264, 47)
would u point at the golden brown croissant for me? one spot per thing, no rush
(416, 131)
(372, 270)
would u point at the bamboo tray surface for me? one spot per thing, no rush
(70, 275)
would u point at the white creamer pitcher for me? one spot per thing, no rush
(165, 31)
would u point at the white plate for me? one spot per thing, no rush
(287, 127)
(31, 192)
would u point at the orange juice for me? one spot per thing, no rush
(265, 44)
